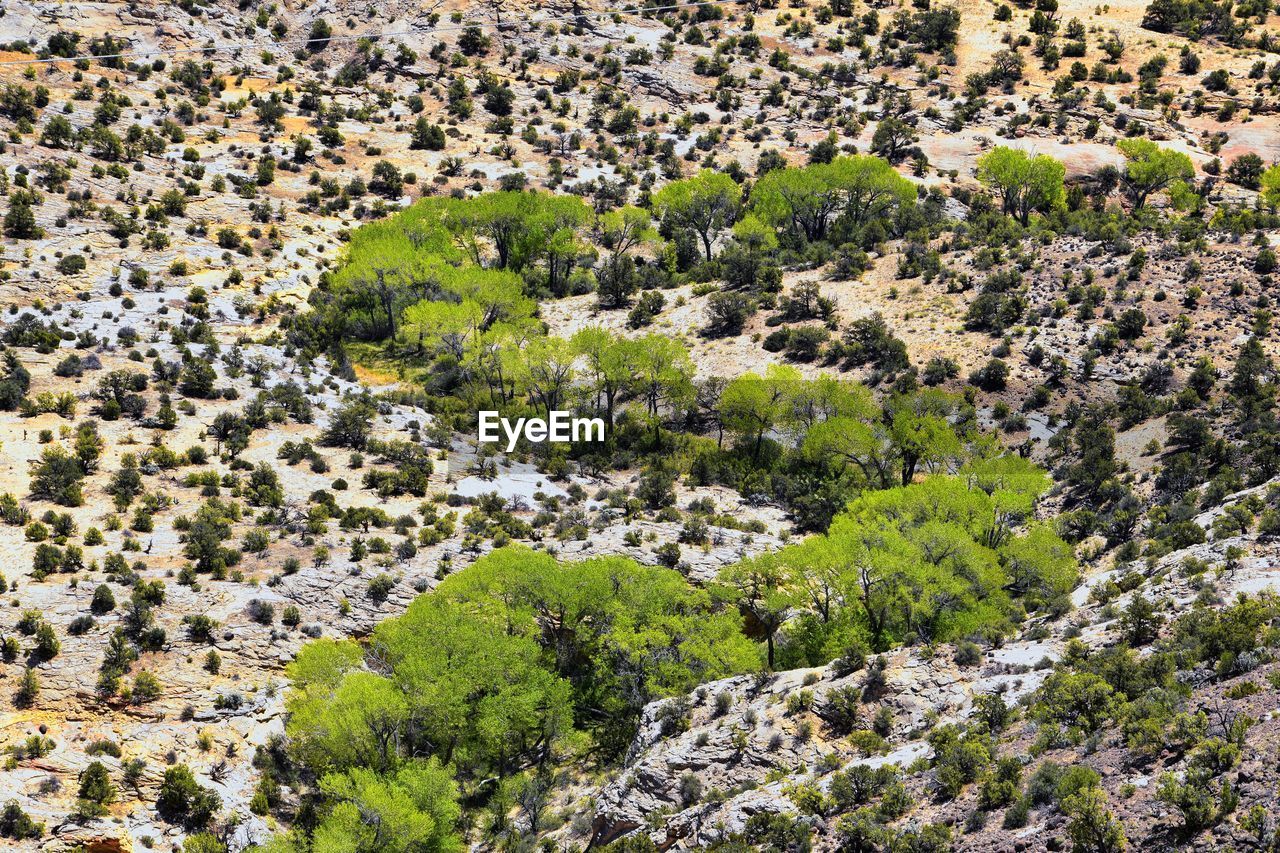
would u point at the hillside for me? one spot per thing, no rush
(933, 347)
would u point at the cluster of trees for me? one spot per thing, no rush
(815, 443)
(1197, 19)
(532, 659)
(527, 657)
(452, 283)
(1028, 183)
(473, 266)
(948, 558)
(848, 200)
(432, 252)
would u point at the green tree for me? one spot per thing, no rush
(1246, 170)
(47, 644)
(15, 380)
(760, 588)
(1251, 378)
(893, 138)
(474, 696)
(547, 368)
(197, 379)
(28, 688)
(921, 433)
(753, 405)
(1041, 567)
(318, 39)
(57, 133)
(357, 723)
(1024, 183)
(1080, 703)
(1151, 168)
(746, 261)
(498, 687)
(1095, 443)
(621, 231)
(20, 219)
(626, 633)
(427, 136)
(1270, 183)
(915, 432)
(518, 225)
(446, 326)
(17, 824)
(103, 600)
(807, 201)
(1141, 620)
(609, 366)
(1092, 827)
(184, 800)
(663, 375)
(923, 560)
(204, 541)
(96, 791)
(849, 443)
(706, 204)
(413, 810)
(349, 426)
(57, 477)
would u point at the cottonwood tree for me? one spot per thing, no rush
(920, 428)
(416, 808)
(817, 577)
(518, 225)
(663, 375)
(753, 405)
(914, 560)
(802, 200)
(1023, 182)
(1270, 183)
(609, 363)
(809, 200)
(746, 261)
(625, 633)
(548, 369)
(761, 591)
(706, 204)
(1151, 169)
(885, 454)
(621, 231)
(449, 326)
